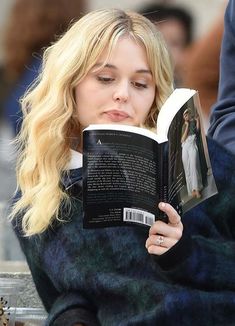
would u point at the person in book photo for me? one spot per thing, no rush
(112, 66)
(190, 153)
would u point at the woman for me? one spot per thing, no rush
(222, 118)
(38, 24)
(105, 69)
(190, 154)
(111, 67)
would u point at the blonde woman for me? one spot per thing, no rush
(110, 67)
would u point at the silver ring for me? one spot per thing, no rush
(160, 240)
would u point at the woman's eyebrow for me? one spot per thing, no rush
(107, 65)
(144, 71)
(111, 66)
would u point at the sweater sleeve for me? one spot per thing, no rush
(207, 267)
(70, 309)
(63, 308)
(205, 255)
(222, 122)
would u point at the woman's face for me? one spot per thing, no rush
(186, 116)
(121, 92)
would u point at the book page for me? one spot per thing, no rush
(190, 175)
(136, 130)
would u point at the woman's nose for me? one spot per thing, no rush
(121, 93)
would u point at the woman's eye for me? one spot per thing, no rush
(139, 85)
(104, 79)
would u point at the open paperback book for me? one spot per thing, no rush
(128, 170)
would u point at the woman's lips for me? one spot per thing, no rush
(116, 116)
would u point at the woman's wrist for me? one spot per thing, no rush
(176, 255)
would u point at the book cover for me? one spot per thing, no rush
(128, 170)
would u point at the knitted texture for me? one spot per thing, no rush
(106, 276)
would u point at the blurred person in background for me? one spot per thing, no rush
(176, 26)
(7, 175)
(202, 65)
(32, 25)
(222, 120)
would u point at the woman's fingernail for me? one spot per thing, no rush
(162, 205)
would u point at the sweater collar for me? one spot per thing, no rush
(74, 174)
(75, 161)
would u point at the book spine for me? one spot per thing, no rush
(164, 180)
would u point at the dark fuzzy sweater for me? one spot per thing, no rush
(106, 277)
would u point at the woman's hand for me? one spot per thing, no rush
(163, 236)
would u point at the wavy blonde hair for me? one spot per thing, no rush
(49, 107)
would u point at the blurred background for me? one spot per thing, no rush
(26, 26)
(203, 11)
